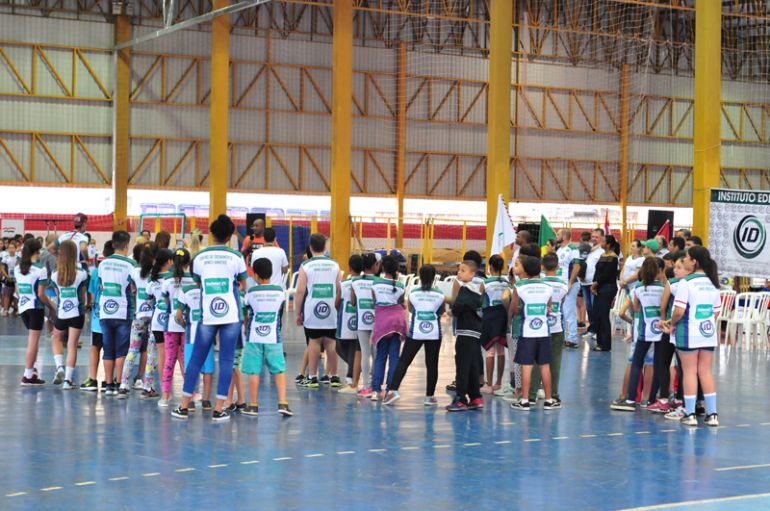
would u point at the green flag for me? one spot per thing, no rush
(546, 233)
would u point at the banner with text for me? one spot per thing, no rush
(738, 232)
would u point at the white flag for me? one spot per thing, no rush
(504, 232)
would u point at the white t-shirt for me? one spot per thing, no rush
(11, 262)
(566, 254)
(142, 305)
(77, 237)
(591, 260)
(701, 302)
(362, 287)
(115, 280)
(160, 312)
(70, 305)
(494, 289)
(189, 302)
(631, 266)
(347, 316)
(387, 292)
(265, 304)
(171, 291)
(534, 295)
(28, 285)
(277, 256)
(425, 310)
(559, 290)
(649, 311)
(318, 311)
(218, 269)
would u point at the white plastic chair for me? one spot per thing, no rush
(291, 289)
(749, 312)
(445, 287)
(620, 297)
(450, 278)
(726, 312)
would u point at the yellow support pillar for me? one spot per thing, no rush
(499, 111)
(623, 160)
(342, 98)
(400, 145)
(708, 113)
(123, 33)
(220, 88)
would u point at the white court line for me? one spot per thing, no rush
(250, 462)
(410, 448)
(377, 450)
(285, 458)
(316, 455)
(743, 425)
(764, 423)
(343, 453)
(614, 434)
(472, 444)
(532, 440)
(588, 436)
(17, 494)
(741, 467)
(695, 502)
(502, 442)
(667, 430)
(441, 446)
(51, 488)
(151, 474)
(121, 478)
(642, 432)
(85, 483)
(188, 469)
(220, 465)
(560, 437)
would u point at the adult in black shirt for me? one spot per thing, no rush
(605, 287)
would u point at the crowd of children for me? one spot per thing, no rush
(162, 309)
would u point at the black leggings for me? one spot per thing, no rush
(346, 349)
(410, 349)
(601, 315)
(661, 379)
(680, 386)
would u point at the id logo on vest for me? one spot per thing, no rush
(67, 306)
(353, 323)
(322, 310)
(263, 330)
(426, 327)
(111, 307)
(706, 328)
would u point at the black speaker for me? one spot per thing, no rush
(531, 228)
(414, 263)
(655, 220)
(250, 217)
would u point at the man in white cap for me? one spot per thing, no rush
(77, 236)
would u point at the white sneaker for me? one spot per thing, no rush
(67, 385)
(163, 403)
(58, 376)
(676, 414)
(138, 384)
(507, 390)
(541, 394)
(712, 420)
(348, 390)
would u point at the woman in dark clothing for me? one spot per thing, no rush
(605, 287)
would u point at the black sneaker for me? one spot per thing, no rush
(30, 382)
(284, 410)
(299, 378)
(520, 406)
(313, 383)
(220, 416)
(240, 407)
(206, 405)
(700, 410)
(303, 382)
(251, 411)
(335, 382)
(230, 408)
(622, 405)
(122, 394)
(452, 387)
(89, 385)
(325, 380)
(553, 404)
(103, 387)
(180, 413)
(112, 390)
(191, 406)
(149, 394)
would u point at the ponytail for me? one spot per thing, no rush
(427, 276)
(31, 247)
(181, 261)
(702, 257)
(147, 259)
(390, 267)
(163, 257)
(649, 271)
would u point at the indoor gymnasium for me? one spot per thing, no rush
(385, 254)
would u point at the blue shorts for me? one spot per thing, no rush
(533, 350)
(255, 355)
(208, 364)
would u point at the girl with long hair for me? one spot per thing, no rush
(155, 347)
(173, 337)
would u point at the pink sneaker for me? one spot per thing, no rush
(364, 392)
(486, 389)
(659, 407)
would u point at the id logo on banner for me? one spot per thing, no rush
(738, 231)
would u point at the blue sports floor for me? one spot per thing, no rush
(78, 450)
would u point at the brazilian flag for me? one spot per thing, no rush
(546, 233)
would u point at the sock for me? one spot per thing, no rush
(524, 401)
(68, 373)
(254, 404)
(29, 373)
(689, 404)
(663, 400)
(711, 403)
(283, 402)
(58, 360)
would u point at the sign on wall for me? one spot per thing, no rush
(738, 232)
(12, 227)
